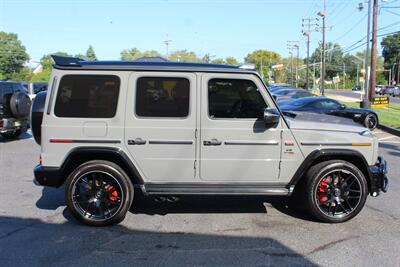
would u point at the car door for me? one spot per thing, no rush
(160, 125)
(235, 144)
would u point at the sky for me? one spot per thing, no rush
(221, 28)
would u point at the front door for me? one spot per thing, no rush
(236, 146)
(160, 125)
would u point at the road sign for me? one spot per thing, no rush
(380, 102)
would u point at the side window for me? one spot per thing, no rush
(330, 104)
(234, 98)
(162, 97)
(87, 96)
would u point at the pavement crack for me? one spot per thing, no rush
(383, 212)
(17, 230)
(331, 244)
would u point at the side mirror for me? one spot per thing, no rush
(342, 106)
(271, 116)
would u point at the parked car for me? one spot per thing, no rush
(366, 117)
(356, 88)
(396, 91)
(288, 94)
(14, 109)
(34, 87)
(388, 90)
(379, 88)
(172, 128)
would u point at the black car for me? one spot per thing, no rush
(325, 105)
(356, 88)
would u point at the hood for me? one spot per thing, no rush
(322, 122)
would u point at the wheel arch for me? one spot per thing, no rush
(317, 156)
(79, 155)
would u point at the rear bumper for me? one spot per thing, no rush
(48, 176)
(379, 179)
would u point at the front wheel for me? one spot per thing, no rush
(336, 191)
(99, 193)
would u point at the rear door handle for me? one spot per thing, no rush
(137, 141)
(212, 142)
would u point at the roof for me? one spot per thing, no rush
(66, 63)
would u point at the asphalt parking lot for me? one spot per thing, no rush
(36, 229)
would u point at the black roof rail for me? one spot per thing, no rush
(66, 61)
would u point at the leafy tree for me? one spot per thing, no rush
(219, 61)
(24, 74)
(12, 55)
(130, 54)
(47, 63)
(263, 60)
(184, 56)
(333, 59)
(151, 53)
(90, 54)
(231, 61)
(391, 52)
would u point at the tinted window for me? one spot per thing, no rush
(87, 96)
(231, 98)
(162, 97)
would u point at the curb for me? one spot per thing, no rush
(390, 130)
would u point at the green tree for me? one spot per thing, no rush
(130, 54)
(12, 55)
(90, 54)
(151, 53)
(46, 61)
(263, 60)
(333, 59)
(391, 53)
(218, 61)
(231, 61)
(184, 56)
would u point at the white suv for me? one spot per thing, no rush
(173, 128)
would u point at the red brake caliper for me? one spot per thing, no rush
(113, 196)
(323, 189)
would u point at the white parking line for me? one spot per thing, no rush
(387, 137)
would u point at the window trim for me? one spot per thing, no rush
(53, 88)
(230, 119)
(162, 118)
(91, 118)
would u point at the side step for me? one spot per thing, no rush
(216, 189)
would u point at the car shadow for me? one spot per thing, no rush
(393, 149)
(69, 244)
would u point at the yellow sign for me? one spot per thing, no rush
(380, 102)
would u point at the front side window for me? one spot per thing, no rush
(234, 98)
(162, 97)
(87, 96)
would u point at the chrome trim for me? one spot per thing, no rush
(252, 143)
(333, 144)
(170, 142)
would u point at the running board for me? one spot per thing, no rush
(216, 189)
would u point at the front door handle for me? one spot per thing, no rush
(137, 141)
(212, 142)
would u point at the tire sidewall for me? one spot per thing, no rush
(367, 118)
(313, 184)
(111, 169)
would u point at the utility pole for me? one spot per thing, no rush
(372, 81)
(365, 103)
(167, 43)
(344, 76)
(314, 74)
(358, 79)
(306, 24)
(294, 45)
(323, 15)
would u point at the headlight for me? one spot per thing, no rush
(366, 133)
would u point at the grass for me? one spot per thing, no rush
(387, 116)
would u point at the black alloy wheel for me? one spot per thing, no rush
(99, 193)
(336, 191)
(371, 121)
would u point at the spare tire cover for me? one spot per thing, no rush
(20, 105)
(37, 115)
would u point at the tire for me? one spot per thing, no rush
(371, 121)
(105, 203)
(338, 203)
(20, 105)
(12, 134)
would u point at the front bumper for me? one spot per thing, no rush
(379, 179)
(48, 176)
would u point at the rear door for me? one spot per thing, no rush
(160, 125)
(236, 146)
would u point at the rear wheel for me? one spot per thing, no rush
(99, 193)
(371, 121)
(336, 191)
(12, 134)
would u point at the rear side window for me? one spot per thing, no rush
(234, 98)
(162, 97)
(87, 96)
